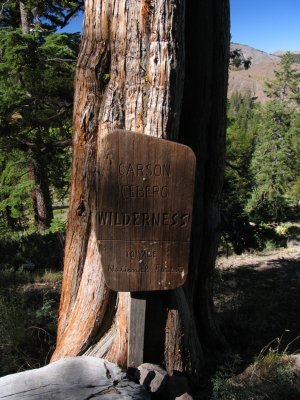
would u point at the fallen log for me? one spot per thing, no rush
(76, 378)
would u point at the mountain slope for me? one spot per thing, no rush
(257, 56)
(261, 69)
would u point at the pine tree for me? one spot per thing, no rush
(285, 87)
(275, 164)
(41, 14)
(241, 131)
(272, 164)
(294, 193)
(36, 94)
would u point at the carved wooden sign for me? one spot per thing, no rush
(144, 202)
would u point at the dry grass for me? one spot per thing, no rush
(48, 276)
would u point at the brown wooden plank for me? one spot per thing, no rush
(136, 332)
(144, 211)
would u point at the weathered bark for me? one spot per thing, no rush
(41, 197)
(130, 75)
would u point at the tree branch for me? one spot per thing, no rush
(3, 6)
(61, 59)
(71, 14)
(234, 167)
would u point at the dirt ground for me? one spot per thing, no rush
(257, 299)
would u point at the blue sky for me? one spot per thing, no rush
(267, 25)
(75, 25)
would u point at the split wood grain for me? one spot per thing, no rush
(76, 378)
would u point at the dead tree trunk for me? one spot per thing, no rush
(25, 19)
(157, 67)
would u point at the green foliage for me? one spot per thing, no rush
(36, 88)
(241, 133)
(13, 277)
(271, 376)
(273, 163)
(41, 250)
(46, 312)
(273, 366)
(296, 58)
(57, 225)
(43, 14)
(36, 95)
(12, 335)
(28, 323)
(15, 189)
(285, 86)
(262, 185)
(221, 388)
(54, 14)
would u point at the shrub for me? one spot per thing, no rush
(41, 250)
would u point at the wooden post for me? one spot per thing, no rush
(136, 332)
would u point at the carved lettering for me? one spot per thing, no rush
(112, 218)
(166, 269)
(124, 268)
(142, 269)
(136, 191)
(184, 220)
(144, 170)
(141, 253)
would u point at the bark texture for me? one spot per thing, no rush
(41, 196)
(132, 75)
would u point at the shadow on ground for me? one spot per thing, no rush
(259, 302)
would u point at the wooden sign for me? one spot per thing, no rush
(145, 189)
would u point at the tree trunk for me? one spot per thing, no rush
(142, 67)
(25, 19)
(41, 197)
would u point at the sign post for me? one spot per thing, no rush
(145, 188)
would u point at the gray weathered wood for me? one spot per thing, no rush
(145, 188)
(136, 332)
(77, 378)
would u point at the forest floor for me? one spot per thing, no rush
(28, 313)
(257, 301)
